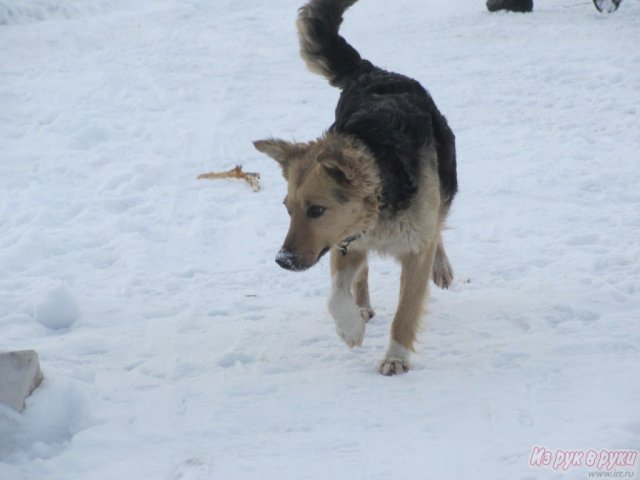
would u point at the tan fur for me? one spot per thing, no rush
(335, 163)
(413, 237)
(310, 170)
(361, 290)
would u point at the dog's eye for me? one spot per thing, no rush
(315, 211)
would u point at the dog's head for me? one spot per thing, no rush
(333, 190)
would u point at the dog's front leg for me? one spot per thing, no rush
(442, 271)
(414, 283)
(361, 291)
(350, 318)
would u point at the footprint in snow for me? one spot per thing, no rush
(232, 359)
(192, 468)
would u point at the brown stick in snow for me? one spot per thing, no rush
(251, 178)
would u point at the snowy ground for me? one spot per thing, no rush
(175, 348)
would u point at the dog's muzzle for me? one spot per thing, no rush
(288, 260)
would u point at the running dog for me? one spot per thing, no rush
(381, 178)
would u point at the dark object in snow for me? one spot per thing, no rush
(20, 375)
(604, 6)
(607, 6)
(510, 5)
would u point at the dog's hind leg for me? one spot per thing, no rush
(442, 271)
(414, 287)
(349, 316)
(361, 291)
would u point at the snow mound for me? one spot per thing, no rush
(55, 413)
(57, 309)
(27, 11)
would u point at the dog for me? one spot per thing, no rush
(381, 178)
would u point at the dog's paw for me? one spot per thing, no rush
(350, 319)
(367, 313)
(396, 360)
(394, 366)
(442, 272)
(352, 332)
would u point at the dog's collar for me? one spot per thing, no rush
(342, 246)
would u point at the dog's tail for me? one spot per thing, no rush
(323, 50)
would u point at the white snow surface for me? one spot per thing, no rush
(187, 353)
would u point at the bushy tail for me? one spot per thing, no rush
(323, 50)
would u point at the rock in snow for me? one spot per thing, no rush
(20, 375)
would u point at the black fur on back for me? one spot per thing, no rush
(393, 115)
(396, 118)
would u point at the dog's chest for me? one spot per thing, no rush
(395, 235)
(411, 230)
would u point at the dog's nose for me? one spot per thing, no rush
(286, 259)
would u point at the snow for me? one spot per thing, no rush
(28, 11)
(57, 309)
(173, 346)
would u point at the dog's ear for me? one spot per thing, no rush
(341, 164)
(341, 173)
(281, 151)
(352, 168)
